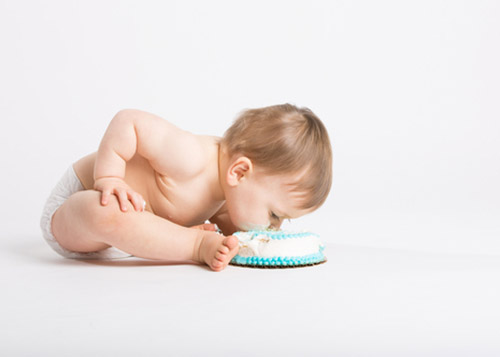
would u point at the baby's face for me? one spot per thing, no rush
(263, 201)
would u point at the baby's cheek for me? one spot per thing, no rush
(246, 220)
(234, 217)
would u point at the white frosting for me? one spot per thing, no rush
(261, 245)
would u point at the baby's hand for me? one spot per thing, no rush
(206, 227)
(116, 186)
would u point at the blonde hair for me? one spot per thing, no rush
(285, 139)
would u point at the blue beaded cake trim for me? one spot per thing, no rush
(280, 261)
(278, 234)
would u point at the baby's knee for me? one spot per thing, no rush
(101, 219)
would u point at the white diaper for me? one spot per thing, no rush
(67, 185)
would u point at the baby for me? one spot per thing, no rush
(150, 187)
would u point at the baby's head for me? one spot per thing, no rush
(279, 163)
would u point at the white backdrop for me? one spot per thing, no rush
(409, 91)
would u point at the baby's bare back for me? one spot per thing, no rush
(187, 200)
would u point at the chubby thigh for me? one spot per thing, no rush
(68, 186)
(75, 223)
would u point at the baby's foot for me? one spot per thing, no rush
(217, 250)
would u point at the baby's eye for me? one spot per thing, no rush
(274, 216)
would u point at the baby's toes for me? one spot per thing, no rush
(217, 267)
(230, 242)
(221, 256)
(223, 249)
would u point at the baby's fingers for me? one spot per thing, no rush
(105, 197)
(122, 199)
(137, 201)
(207, 227)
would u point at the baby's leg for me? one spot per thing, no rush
(82, 224)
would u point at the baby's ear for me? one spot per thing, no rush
(239, 170)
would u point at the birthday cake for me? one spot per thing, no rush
(278, 249)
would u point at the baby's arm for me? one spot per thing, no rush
(168, 149)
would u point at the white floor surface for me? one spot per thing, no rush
(364, 301)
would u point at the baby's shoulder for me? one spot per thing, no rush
(196, 157)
